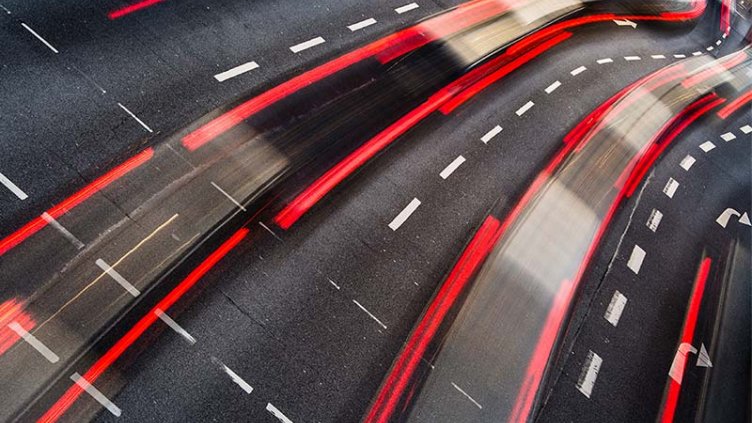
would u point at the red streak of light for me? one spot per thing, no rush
(12, 310)
(104, 362)
(735, 105)
(119, 13)
(715, 69)
(725, 17)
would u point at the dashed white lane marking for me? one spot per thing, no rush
(658, 56)
(7, 12)
(118, 277)
(635, 259)
(670, 188)
(687, 162)
(728, 136)
(237, 70)
(490, 134)
(605, 60)
(697, 53)
(467, 395)
(406, 8)
(175, 326)
(551, 88)
(404, 214)
(452, 167)
(615, 308)
(578, 71)
(718, 42)
(276, 413)
(724, 36)
(94, 392)
(39, 37)
(60, 228)
(521, 111)
(680, 56)
(234, 376)
(140, 122)
(229, 197)
(654, 220)
(34, 342)
(334, 284)
(18, 192)
(632, 58)
(746, 129)
(362, 24)
(370, 314)
(589, 373)
(710, 48)
(707, 146)
(307, 44)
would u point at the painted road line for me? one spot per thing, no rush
(615, 308)
(452, 167)
(269, 230)
(94, 392)
(140, 122)
(490, 134)
(467, 395)
(39, 37)
(728, 136)
(369, 313)
(654, 220)
(297, 48)
(521, 111)
(635, 259)
(687, 162)
(710, 48)
(362, 24)
(551, 88)
(589, 373)
(229, 197)
(234, 376)
(697, 53)
(632, 58)
(175, 326)
(578, 71)
(707, 146)
(718, 42)
(276, 413)
(746, 129)
(237, 70)
(34, 342)
(118, 277)
(605, 60)
(406, 8)
(680, 56)
(60, 228)
(334, 284)
(18, 192)
(658, 56)
(670, 188)
(404, 214)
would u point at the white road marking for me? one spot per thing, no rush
(369, 313)
(490, 134)
(676, 372)
(34, 342)
(404, 214)
(229, 197)
(5, 9)
(118, 277)
(707, 146)
(625, 22)
(60, 228)
(39, 37)
(18, 192)
(680, 56)
(578, 71)
(658, 56)
(746, 129)
(697, 53)
(175, 326)
(710, 48)
(527, 106)
(269, 230)
(140, 122)
(724, 217)
(94, 392)
(632, 58)
(467, 395)
(606, 60)
(724, 36)
(452, 167)
(718, 42)
(728, 136)
(687, 162)
(670, 188)
(234, 376)
(406, 8)
(615, 308)
(654, 220)
(307, 44)
(635, 259)
(703, 358)
(551, 88)
(276, 413)
(589, 373)
(362, 24)
(237, 70)
(334, 284)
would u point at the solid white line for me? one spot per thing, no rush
(234, 376)
(615, 308)
(551, 88)
(728, 136)
(635, 259)
(369, 313)
(680, 56)
(606, 60)
(278, 414)
(94, 392)
(269, 230)
(687, 162)
(406, 8)
(707, 146)
(746, 129)
(175, 326)
(658, 56)
(307, 44)
(632, 58)
(404, 214)
(118, 277)
(578, 71)
(18, 192)
(334, 284)
(490, 134)
(589, 373)
(60, 228)
(135, 117)
(521, 111)
(697, 53)
(362, 24)
(237, 70)
(654, 220)
(34, 342)
(468, 396)
(39, 37)
(229, 197)
(670, 188)
(452, 167)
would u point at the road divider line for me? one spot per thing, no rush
(452, 167)
(635, 259)
(680, 56)
(34, 342)
(490, 134)
(334, 284)
(718, 42)
(589, 373)
(268, 229)
(362, 24)
(140, 122)
(632, 58)
(276, 413)
(687, 162)
(604, 60)
(709, 48)
(175, 326)
(305, 45)
(237, 70)
(521, 111)
(467, 395)
(670, 188)
(615, 308)
(654, 220)
(551, 88)
(60, 228)
(697, 53)
(728, 136)
(707, 146)
(96, 394)
(658, 56)
(746, 129)
(404, 214)
(578, 71)
(370, 314)
(18, 192)
(39, 37)
(406, 8)
(234, 376)
(229, 197)
(118, 277)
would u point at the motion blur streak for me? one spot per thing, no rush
(12, 310)
(714, 69)
(119, 13)
(726, 7)
(96, 370)
(735, 105)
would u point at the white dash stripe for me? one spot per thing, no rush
(635, 259)
(632, 58)
(406, 8)
(710, 48)
(229, 197)
(118, 277)
(589, 373)
(654, 220)
(334, 284)
(175, 326)
(670, 188)
(234, 376)
(404, 214)
(687, 162)
(551, 88)
(605, 60)
(680, 56)
(237, 70)
(362, 24)
(728, 136)
(490, 134)
(615, 308)
(135, 117)
(578, 71)
(452, 167)
(724, 36)
(34, 342)
(18, 192)
(467, 395)
(658, 56)
(697, 53)
(521, 111)
(718, 42)
(39, 37)
(746, 129)
(307, 44)
(60, 228)
(707, 146)
(94, 392)
(369, 313)
(276, 413)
